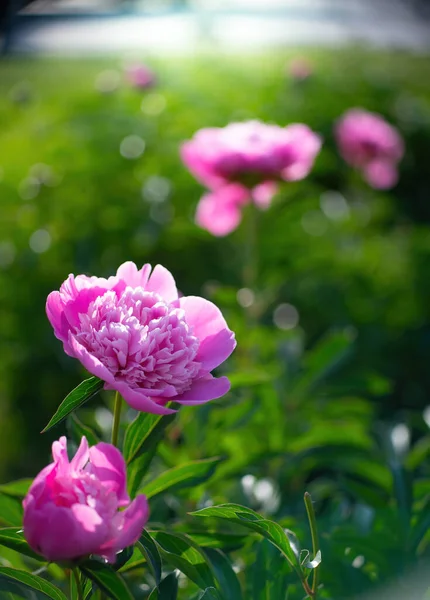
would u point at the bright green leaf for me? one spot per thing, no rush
(167, 590)
(224, 574)
(143, 433)
(109, 581)
(186, 475)
(10, 511)
(13, 537)
(26, 585)
(149, 549)
(252, 520)
(182, 553)
(17, 488)
(82, 393)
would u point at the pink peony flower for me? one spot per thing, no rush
(251, 153)
(71, 508)
(242, 163)
(140, 76)
(134, 332)
(366, 141)
(220, 212)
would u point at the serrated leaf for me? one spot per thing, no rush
(167, 590)
(13, 538)
(86, 390)
(182, 553)
(10, 511)
(144, 432)
(186, 475)
(108, 580)
(26, 585)
(149, 549)
(252, 520)
(18, 488)
(76, 430)
(224, 574)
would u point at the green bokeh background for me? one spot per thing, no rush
(310, 404)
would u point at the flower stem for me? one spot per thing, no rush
(75, 572)
(116, 418)
(315, 542)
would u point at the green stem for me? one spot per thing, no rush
(315, 541)
(116, 418)
(75, 572)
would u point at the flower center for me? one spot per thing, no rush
(141, 339)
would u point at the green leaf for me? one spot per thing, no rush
(248, 378)
(182, 553)
(77, 430)
(218, 539)
(186, 475)
(25, 585)
(134, 562)
(223, 571)
(108, 580)
(123, 557)
(82, 393)
(246, 517)
(167, 590)
(10, 511)
(17, 488)
(149, 549)
(137, 469)
(143, 433)
(210, 594)
(13, 538)
(321, 361)
(269, 573)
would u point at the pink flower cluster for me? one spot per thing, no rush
(367, 142)
(242, 163)
(134, 332)
(71, 509)
(140, 76)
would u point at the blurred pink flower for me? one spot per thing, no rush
(140, 76)
(299, 69)
(250, 153)
(242, 163)
(71, 508)
(135, 333)
(366, 141)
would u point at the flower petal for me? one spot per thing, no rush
(161, 282)
(133, 277)
(133, 521)
(217, 341)
(140, 400)
(108, 465)
(205, 389)
(81, 457)
(219, 212)
(90, 362)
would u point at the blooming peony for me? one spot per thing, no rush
(140, 76)
(241, 163)
(366, 141)
(134, 332)
(71, 508)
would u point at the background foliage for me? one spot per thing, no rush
(335, 403)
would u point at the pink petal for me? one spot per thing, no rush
(205, 389)
(55, 313)
(81, 457)
(60, 533)
(140, 400)
(90, 362)
(108, 465)
(133, 277)
(59, 451)
(161, 282)
(263, 194)
(381, 174)
(219, 212)
(133, 520)
(217, 342)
